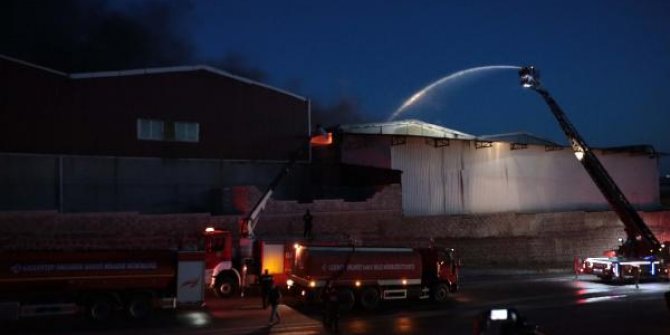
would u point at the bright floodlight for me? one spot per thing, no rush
(499, 314)
(530, 76)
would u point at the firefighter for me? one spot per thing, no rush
(636, 276)
(266, 285)
(307, 220)
(274, 298)
(331, 301)
(577, 265)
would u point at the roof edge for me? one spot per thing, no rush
(381, 125)
(29, 64)
(176, 69)
(155, 70)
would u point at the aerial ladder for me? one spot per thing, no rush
(641, 249)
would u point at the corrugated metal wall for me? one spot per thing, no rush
(146, 185)
(462, 179)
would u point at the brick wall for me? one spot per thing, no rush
(53, 231)
(532, 240)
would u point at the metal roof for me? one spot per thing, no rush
(405, 128)
(43, 68)
(149, 71)
(186, 68)
(519, 138)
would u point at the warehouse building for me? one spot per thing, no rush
(187, 139)
(159, 140)
(447, 172)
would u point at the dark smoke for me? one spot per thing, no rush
(237, 64)
(89, 35)
(345, 110)
(92, 35)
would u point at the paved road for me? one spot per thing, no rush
(558, 303)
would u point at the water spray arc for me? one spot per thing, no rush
(423, 92)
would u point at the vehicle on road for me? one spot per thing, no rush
(99, 283)
(367, 275)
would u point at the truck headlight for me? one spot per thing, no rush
(289, 283)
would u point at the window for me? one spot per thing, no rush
(150, 129)
(216, 244)
(159, 130)
(186, 131)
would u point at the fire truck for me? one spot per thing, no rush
(641, 253)
(98, 283)
(369, 275)
(241, 266)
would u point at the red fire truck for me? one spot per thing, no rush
(98, 283)
(232, 270)
(368, 275)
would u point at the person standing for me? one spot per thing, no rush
(636, 276)
(577, 266)
(331, 300)
(274, 297)
(266, 285)
(307, 220)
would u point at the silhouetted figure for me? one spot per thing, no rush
(307, 220)
(266, 285)
(274, 297)
(636, 276)
(331, 300)
(577, 266)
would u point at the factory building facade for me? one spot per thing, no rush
(183, 112)
(447, 172)
(159, 140)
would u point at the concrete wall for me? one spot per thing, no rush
(25, 230)
(538, 240)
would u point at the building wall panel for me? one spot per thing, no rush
(49, 113)
(145, 185)
(463, 179)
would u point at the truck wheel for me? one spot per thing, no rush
(100, 309)
(347, 299)
(369, 298)
(440, 293)
(225, 287)
(139, 307)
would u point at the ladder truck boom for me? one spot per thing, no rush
(638, 234)
(248, 224)
(641, 254)
(250, 254)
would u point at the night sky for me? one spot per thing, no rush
(607, 63)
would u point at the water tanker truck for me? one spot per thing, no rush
(369, 275)
(98, 283)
